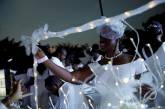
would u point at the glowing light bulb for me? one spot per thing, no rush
(151, 4)
(162, 86)
(157, 57)
(35, 98)
(159, 107)
(117, 68)
(109, 62)
(125, 80)
(73, 79)
(65, 95)
(35, 74)
(116, 83)
(46, 37)
(148, 45)
(131, 39)
(109, 104)
(78, 29)
(107, 20)
(142, 106)
(121, 101)
(89, 100)
(141, 59)
(106, 67)
(84, 104)
(64, 102)
(164, 72)
(127, 14)
(80, 93)
(91, 25)
(10, 60)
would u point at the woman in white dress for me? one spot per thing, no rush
(115, 77)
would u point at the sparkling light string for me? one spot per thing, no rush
(158, 69)
(136, 52)
(43, 33)
(145, 98)
(35, 83)
(65, 98)
(29, 107)
(95, 23)
(90, 103)
(153, 75)
(51, 102)
(140, 92)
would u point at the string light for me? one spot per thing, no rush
(121, 101)
(78, 29)
(127, 14)
(125, 80)
(148, 45)
(73, 79)
(109, 104)
(151, 4)
(106, 68)
(99, 22)
(156, 57)
(91, 26)
(116, 83)
(117, 68)
(46, 37)
(162, 86)
(35, 83)
(10, 60)
(107, 20)
(142, 106)
(109, 62)
(159, 107)
(80, 93)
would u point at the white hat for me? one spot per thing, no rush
(112, 30)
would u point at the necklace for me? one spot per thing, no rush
(111, 58)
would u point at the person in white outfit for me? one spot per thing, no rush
(115, 83)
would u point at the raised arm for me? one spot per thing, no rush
(72, 77)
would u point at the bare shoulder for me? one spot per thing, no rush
(83, 73)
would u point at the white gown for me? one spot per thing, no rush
(113, 88)
(116, 84)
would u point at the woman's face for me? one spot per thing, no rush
(107, 45)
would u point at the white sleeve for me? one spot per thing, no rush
(57, 62)
(2, 106)
(140, 66)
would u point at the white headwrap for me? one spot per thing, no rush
(112, 30)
